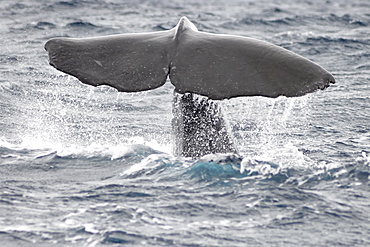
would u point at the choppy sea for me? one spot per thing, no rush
(85, 166)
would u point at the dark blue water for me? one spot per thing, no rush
(84, 166)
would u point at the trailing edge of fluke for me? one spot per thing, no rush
(214, 65)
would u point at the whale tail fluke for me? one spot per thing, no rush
(212, 65)
(129, 63)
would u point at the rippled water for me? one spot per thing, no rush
(84, 166)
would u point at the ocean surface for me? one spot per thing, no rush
(86, 166)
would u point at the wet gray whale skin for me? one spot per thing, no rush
(199, 128)
(198, 63)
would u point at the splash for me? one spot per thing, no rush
(271, 129)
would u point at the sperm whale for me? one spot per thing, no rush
(203, 67)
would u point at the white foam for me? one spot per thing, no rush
(40, 147)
